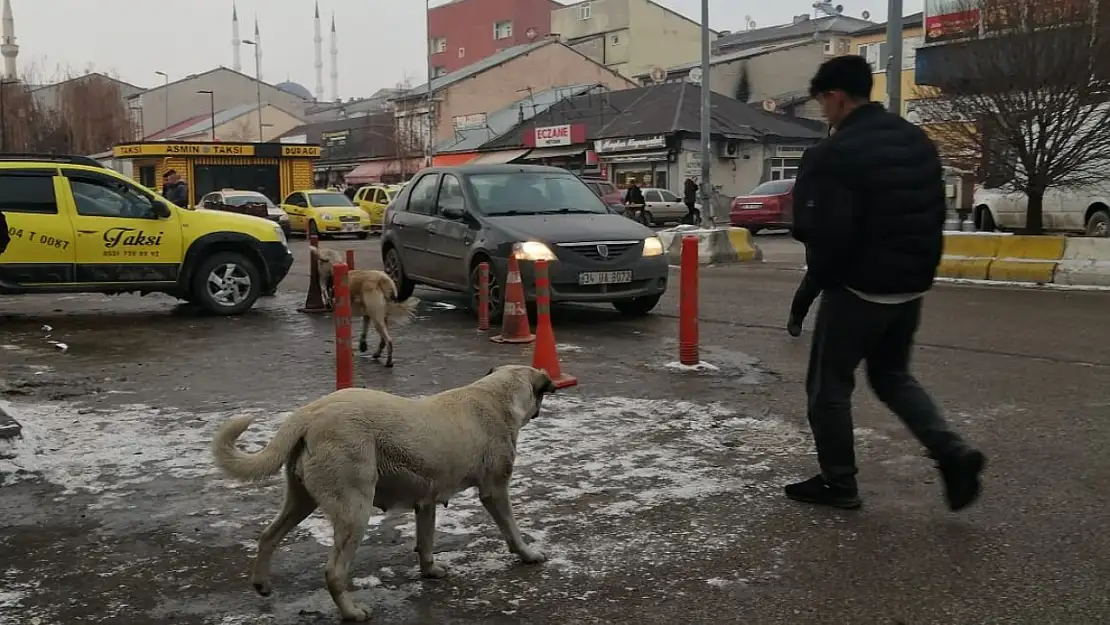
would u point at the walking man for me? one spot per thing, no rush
(690, 198)
(870, 207)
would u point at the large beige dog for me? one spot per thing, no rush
(373, 297)
(356, 449)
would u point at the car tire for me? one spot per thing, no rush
(313, 231)
(496, 295)
(637, 306)
(227, 266)
(363, 236)
(984, 221)
(647, 218)
(1099, 224)
(391, 262)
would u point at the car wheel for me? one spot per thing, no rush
(313, 231)
(638, 306)
(363, 235)
(1099, 224)
(647, 218)
(496, 296)
(392, 264)
(227, 283)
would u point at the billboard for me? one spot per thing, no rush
(946, 20)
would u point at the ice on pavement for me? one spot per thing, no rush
(700, 367)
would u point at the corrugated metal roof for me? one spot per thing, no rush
(737, 55)
(474, 69)
(842, 24)
(204, 123)
(507, 118)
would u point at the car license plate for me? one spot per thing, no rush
(604, 277)
(350, 227)
(751, 207)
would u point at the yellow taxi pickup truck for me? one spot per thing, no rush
(76, 226)
(374, 199)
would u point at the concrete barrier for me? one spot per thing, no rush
(1086, 262)
(717, 246)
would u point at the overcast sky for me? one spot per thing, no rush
(380, 41)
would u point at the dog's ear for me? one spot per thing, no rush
(542, 384)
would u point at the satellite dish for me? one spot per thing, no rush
(531, 33)
(769, 106)
(694, 76)
(658, 74)
(867, 15)
(840, 8)
(751, 24)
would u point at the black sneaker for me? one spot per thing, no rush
(794, 326)
(816, 490)
(961, 478)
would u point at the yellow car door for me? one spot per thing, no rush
(124, 234)
(41, 250)
(296, 207)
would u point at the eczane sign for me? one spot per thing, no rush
(551, 136)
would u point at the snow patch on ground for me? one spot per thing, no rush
(1024, 285)
(701, 367)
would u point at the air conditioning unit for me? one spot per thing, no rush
(729, 149)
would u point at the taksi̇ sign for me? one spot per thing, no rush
(552, 136)
(629, 144)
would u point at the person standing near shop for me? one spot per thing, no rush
(690, 198)
(174, 189)
(869, 205)
(634, 199)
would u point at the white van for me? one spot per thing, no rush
(1080, 210)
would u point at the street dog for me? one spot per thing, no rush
(373, 297)
(325, 258)
(357, 449)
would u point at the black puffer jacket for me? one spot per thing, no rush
(869, 205)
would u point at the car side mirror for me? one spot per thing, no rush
(453, 212)
(160, 210)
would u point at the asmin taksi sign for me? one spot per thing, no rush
(552, 136)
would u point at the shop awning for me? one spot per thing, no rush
(456, 158)
(639, 157)
(372, 171)
(498, 158)
(555, 152)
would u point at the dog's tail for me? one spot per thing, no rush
(400, 313)
(256, 466)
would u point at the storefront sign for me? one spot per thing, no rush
(469, 122)
(950, 19)
(629, 144)
(303, 151)
(261, 150)
(553, 136)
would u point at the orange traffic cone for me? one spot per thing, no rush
(314, 300)
(514, 317)
(544, 354)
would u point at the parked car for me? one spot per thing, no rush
(246, 203)
(373, 199)
(1081, 210)
(325, 214)
(448, 220)
(768, 206)
(608, 192)
(661, 207)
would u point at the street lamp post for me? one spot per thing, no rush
(212, 106)
(429, 151)
(706, 188)
(894, 62)
(166, 95)
(257, 80)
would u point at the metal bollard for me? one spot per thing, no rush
(344, 356)
(688, 303)
(483, 297)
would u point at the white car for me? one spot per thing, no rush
(662, 206)
(245, 202)
(1085, 210)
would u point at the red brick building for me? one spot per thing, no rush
(466, 31)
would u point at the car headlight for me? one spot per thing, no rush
(532, 251)
(281, 235)
(283, 217)
(653, 246)
(327, 217)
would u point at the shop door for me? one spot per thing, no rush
(265, 179)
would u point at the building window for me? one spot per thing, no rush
(585, 11)
(502, 30)
(876, 55)
(615, 40)
(438, 71)
(785, 168)
(438, 45)
(828, 47)
(462, 52)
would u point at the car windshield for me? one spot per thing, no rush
(329, 199)
(534, 193)
(774, 187)
(247, 198)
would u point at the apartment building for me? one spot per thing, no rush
(871, 43)
(466, 31)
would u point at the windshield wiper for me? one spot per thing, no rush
(513, 213)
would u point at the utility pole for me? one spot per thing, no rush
(430, 149)
(705, 189)
(894, 61)
(166, 95)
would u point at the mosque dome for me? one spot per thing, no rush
(296, 89)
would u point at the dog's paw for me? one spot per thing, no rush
(532, 556)
(389, 364)
(263, 587)
(359, 614)
(433, 571)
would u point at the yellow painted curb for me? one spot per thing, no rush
(1031, 247)
(1010, 270)
(973, 245)
(964, 268)
(741, 241)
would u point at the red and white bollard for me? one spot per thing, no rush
(688, 303)
(483, 297)
(350, 260)
(344, 356)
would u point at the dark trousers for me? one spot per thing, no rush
(693, 215)
(849, 330)
(803, 298)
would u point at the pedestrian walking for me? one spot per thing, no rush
(690, 198)
(634, 200)
(870, 208)
(174, 188)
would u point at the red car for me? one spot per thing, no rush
(607, 191)
(768, 206)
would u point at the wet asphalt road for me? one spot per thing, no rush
(655, 493)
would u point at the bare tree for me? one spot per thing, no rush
(1027, 95)
(92, 107)
(242, 130)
